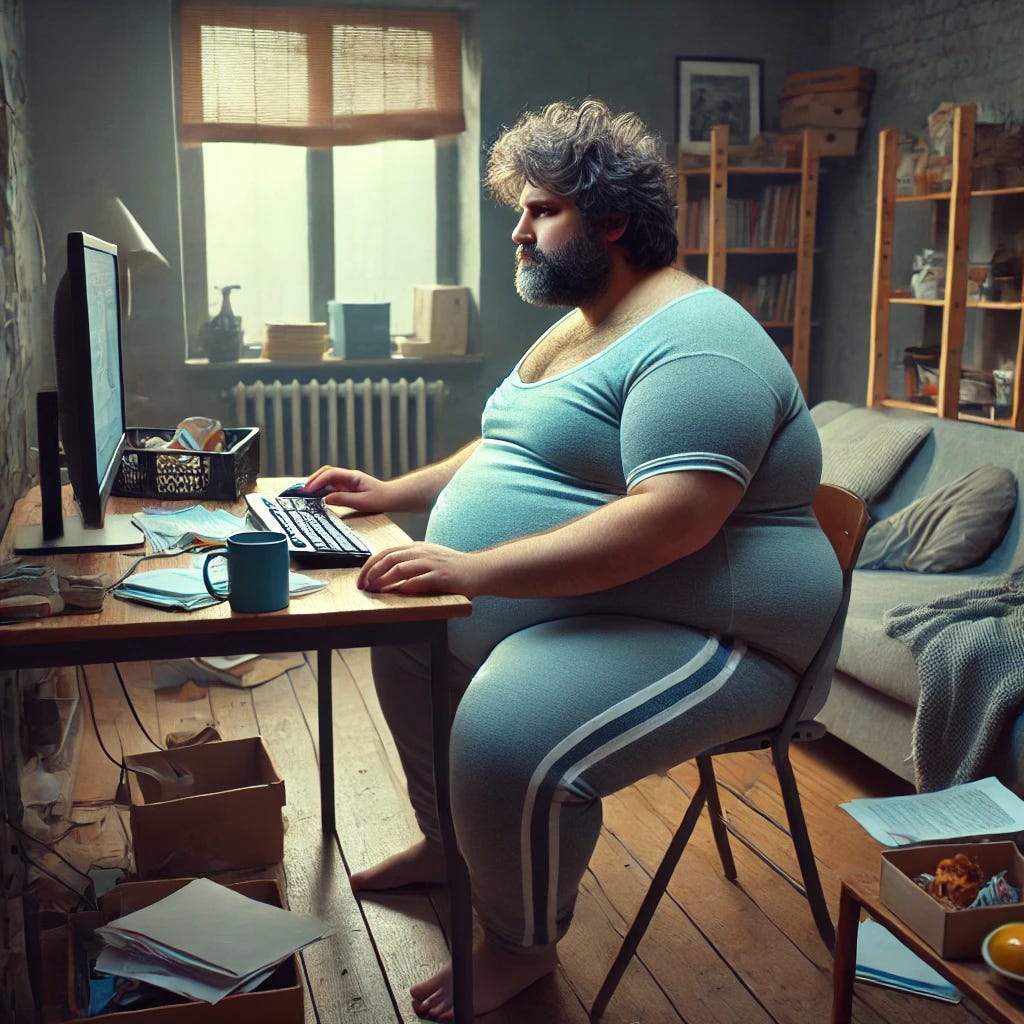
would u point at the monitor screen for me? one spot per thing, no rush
(89, 405)
(105, 355)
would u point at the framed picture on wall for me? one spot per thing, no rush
(717, 90)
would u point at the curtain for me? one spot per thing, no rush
(318, 77)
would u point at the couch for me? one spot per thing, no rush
(876, 686)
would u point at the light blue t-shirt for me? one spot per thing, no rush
(697, 385)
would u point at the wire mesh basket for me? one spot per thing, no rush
(172, 474)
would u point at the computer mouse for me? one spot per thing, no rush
(296, 491)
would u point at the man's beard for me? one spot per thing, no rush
(575, 273)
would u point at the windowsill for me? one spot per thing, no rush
(330, 364)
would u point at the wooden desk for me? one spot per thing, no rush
(338, 616)
(971, 977)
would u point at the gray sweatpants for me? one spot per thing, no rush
(558, 716)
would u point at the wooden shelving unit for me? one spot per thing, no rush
(950, 219)
(776, 241)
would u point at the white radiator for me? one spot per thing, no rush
(383, 427)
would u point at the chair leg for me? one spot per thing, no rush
(802, 845)
(718, 827)
(650, 903)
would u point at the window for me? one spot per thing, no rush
(309, 159)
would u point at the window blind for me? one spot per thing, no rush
(318, 77)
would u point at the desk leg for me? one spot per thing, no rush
(458, 876)
(845, 964)
(325, 723)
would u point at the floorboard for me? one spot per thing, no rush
(717, 951)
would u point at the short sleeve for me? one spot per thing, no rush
(703, 411)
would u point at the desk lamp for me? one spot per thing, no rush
(135, 248)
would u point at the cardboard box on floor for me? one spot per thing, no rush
(209, 808)
(278, 1001)
(954, 934)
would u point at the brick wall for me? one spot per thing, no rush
(21, 267)
(925, 52)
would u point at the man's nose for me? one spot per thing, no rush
(523, 233)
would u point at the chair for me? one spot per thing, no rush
(843, 518)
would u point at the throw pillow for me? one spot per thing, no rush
(957, 526)
(868, 464)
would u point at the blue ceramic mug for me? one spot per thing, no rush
(257, 572)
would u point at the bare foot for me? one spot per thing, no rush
(422, 863)
(497, 977)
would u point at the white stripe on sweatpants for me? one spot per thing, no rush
(576, 736)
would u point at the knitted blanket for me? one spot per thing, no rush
(969, 650)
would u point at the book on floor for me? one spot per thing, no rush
(883, 960)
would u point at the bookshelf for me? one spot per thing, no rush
(958, 354)
(749, 231)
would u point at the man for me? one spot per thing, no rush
(634, 526)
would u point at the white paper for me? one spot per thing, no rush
(129, 964)
(184, 589)
(171, 528)
(884, 960)
(981, 808)
(214, 927)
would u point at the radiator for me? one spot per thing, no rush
(382, 427)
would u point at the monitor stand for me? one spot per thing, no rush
(118, 533)
(60, 534)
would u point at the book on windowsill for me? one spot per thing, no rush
(883, 960)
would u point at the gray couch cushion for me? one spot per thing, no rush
(955, 527)
(867, 463)
(880, 661)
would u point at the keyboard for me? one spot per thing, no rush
(316, 537)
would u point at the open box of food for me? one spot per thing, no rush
(954, 934)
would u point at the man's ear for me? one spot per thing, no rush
(615, 227)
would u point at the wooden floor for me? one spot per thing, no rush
(717, 952)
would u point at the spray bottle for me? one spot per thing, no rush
(223, 334)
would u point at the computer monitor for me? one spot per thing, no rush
(88, 404)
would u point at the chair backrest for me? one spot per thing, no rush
(843, 518)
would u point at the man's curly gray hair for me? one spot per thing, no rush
(610, 165)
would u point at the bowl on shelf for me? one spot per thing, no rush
(1003, 951)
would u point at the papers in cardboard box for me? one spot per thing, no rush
(884, 960)
(982, 808)
(204, 941)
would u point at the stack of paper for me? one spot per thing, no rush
(204, 941)
(184, 589)
(984, 807)
(884, 960)
(167, 588)
(182, 527)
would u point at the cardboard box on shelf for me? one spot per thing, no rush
(831, 80)
(822, 110)
(278, 1001)
(202, 809)
(441, 319)
(830, 141)
(953, 934)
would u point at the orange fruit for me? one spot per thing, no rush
(1006, 947)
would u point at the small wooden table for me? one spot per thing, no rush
(971, 977)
